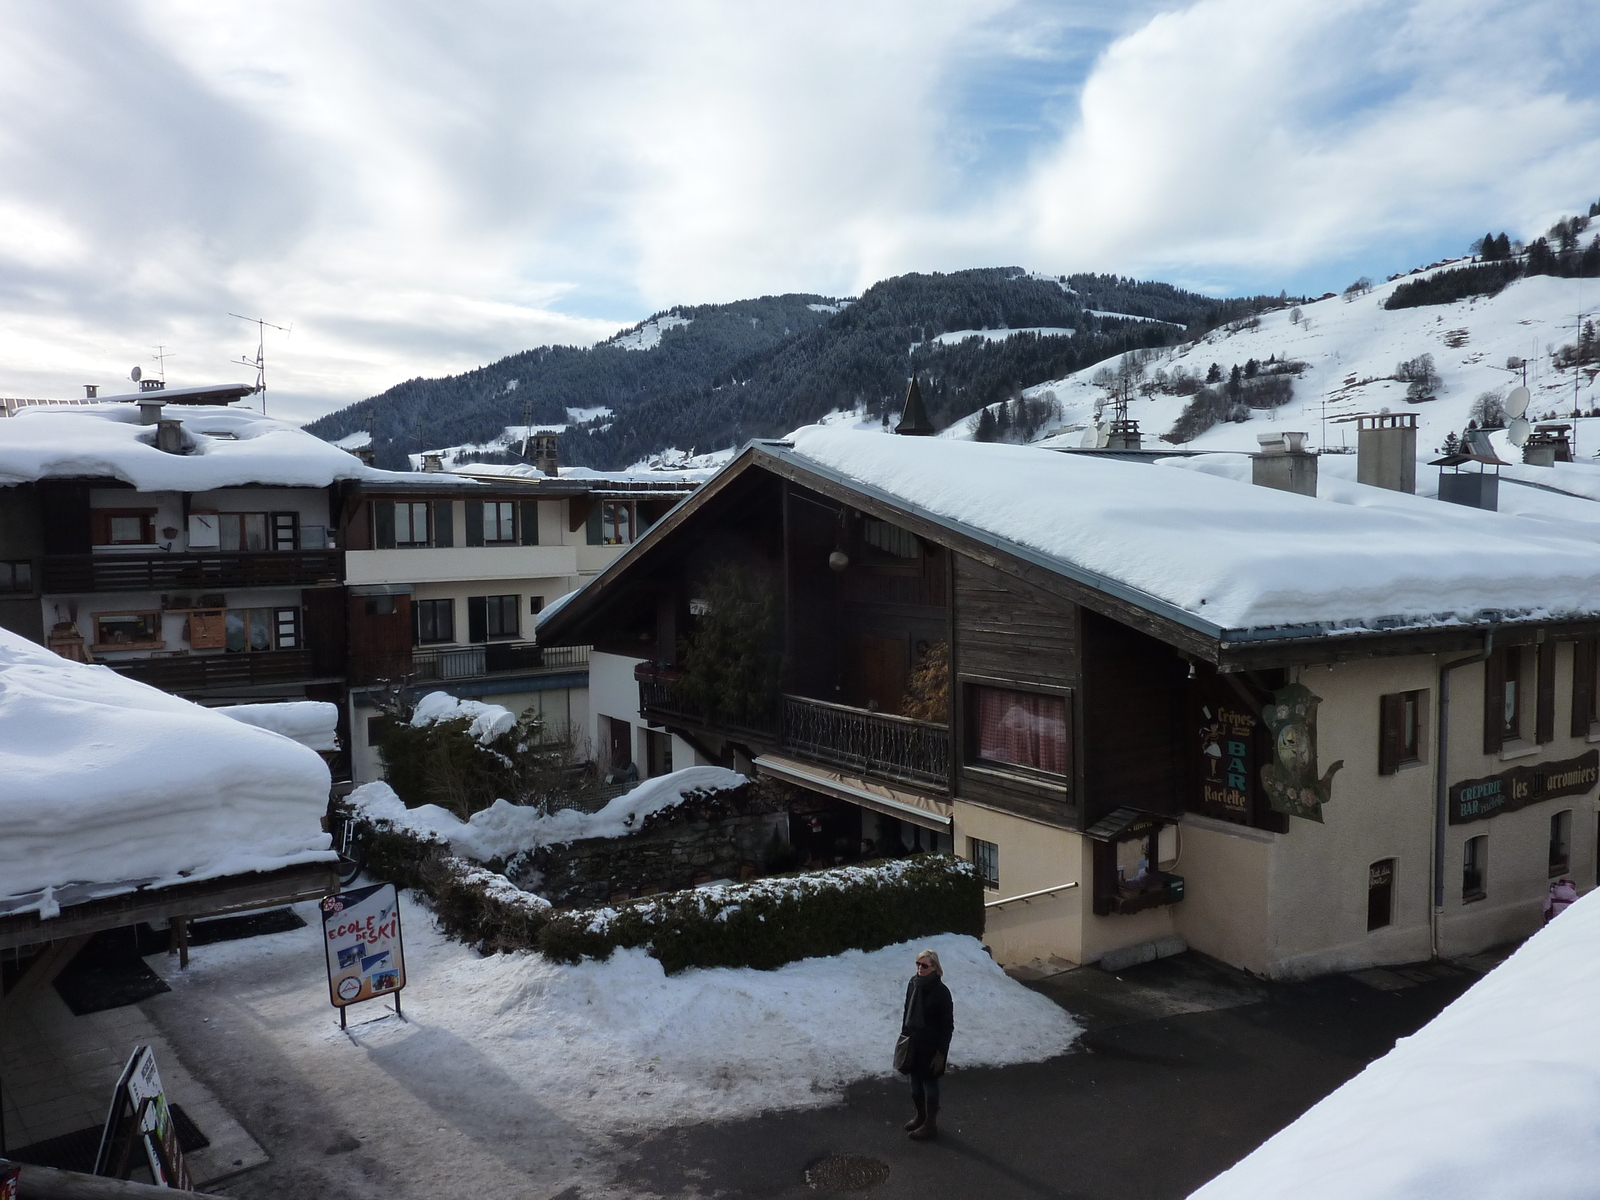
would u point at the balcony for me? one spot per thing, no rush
(898, 749)
(197, 673)
(171, 572)
(494, 658)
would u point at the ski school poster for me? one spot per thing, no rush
(361, 931)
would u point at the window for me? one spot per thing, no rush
(986, 857)
(436, 620)
(411, 524)
(123, 527)
(890, 539)
(535, 605)
(1380, 894)
(1585, 659)
(242, 531)
(499, 522)
(1560, 842)
(1511, 694)
(1022, 729)
(492, 617)
(16, 576)
(1507, 676)
(286, 628)
(379, 606)
(1400, 730)
(1475, 868)
(248, 629)
(127, 631)
(658, 752)
(616, 523)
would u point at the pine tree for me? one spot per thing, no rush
(1214, 375)
(1235, 386)
(1002, 422)
(986, 426)
(1451, 441)
(1251, 368)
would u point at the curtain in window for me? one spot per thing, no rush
(1023, 728)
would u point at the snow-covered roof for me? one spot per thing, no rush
(225, 447)
(585, 475)
(107, 785)
(1493, 1098)
(1219, 556)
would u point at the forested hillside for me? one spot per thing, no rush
(711, 376)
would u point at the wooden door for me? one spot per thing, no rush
(620, 737)
(875, 672)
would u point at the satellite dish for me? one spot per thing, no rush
(1091, 437)
(1517, 402)
(136, 374)
(1102, 436)
(1517, 432)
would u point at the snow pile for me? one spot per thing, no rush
(312, 723)
(505, 829)
(489, 721)
(617, 1045)
(1495, 1098)
(224, 447)
(108, 782)
(1233, 557)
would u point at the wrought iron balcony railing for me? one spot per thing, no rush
(881, 744)
(170, 572)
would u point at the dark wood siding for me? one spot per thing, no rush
(1006, 629)
(1133, 735)
(325, 610)
(380, 644)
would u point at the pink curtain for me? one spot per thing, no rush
(1023, 728)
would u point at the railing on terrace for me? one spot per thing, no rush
(192, 672)
(114, 572)
(659, 693)
(495, 658)
(881, 744)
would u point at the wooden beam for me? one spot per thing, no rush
(47, 1183)
(42, 971)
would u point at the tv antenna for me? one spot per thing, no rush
(260, 360)
(161, 355)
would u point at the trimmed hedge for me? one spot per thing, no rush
(761, 924)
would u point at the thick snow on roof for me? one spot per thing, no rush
(1236, 557)
(1493, 1099)
(107, 784)
(225, 447)
(312, 723)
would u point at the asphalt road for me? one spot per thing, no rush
(1149, 1106)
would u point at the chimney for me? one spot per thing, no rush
(1284, 463)
(91, 391)
(1386, 451)
(150, 411)
(1124, 435)
(152, 385)
(545, 457)
(1475, 489)
(433, 464)
(169, 435)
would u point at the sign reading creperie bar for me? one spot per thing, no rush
(1479, 799)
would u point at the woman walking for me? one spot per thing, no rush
(925, 1030)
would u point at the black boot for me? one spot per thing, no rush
(916, 1122)
(929, 1129)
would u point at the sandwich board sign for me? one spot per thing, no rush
(141, 1120)
(361, 935)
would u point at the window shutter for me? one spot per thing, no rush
(593, 526)
(383, 520)
(474, 522)
(1583, 672)
(99, 528)
(1391, 721)
(1494, 700)
(285, 531)
(529, 517)
(1545, 690)
(444, 524)
(477, 612)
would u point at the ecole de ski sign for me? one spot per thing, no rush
(361, 931)
(1480, 799)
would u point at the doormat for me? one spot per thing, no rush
(76, 1151)
(95, 986)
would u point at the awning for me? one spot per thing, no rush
(926, 811)
(1124, 823)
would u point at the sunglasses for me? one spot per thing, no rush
(924, 966)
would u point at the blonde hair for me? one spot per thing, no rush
(932, 958)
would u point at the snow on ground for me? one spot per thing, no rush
(112, 783)
(1352, 348)
(997, 335)
(1494, 1099)
(690, 469)
(617, 1045)
(1235, 557)
(505, 829)
(582, 416)
(838, 306)
(647, 334)
(312, 723)
(223, 447)
(674, 459)
(489, 721)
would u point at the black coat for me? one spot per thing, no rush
(929, 1021)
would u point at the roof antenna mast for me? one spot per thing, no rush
(161, 355)
(260, 360)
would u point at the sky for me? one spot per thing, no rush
(410, 188)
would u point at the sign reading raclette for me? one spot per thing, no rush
(1480, 799)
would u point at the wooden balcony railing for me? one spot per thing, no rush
(881, 744)
(169, 572)
(194, 673)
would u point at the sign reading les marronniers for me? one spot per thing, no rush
(361, 933)
(1479, 799)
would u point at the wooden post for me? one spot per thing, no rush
(180, 939)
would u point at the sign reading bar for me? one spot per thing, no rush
(1227, 761)
(362, 936)
(1479, 799)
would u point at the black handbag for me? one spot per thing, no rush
(902, 1054)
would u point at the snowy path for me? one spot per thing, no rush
(513, 1069)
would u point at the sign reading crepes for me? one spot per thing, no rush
(361, 932)
(1480, 799)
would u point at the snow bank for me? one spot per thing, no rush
(312, 723)
(104, 781)
(505, 829)
(225, 447)
(620, 1045)
(1494, 1099)
(1236, 557)
(489, 721)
